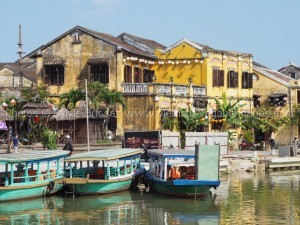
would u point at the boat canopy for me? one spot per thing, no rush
(170, 153)
(106, 154)
(32, 156)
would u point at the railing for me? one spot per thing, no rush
(199, 90)
(163, 89)
(135, 88)
(181, 90)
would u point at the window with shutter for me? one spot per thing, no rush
(54, 74)
(128, 74)
(247, 80)
(99, 72)
(215, 77)
(236, 79)
(218, 78)
(221, 77)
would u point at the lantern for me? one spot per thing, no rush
(36, 119)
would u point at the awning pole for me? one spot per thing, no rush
(87, 116)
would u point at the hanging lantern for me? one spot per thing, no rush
(36, 119)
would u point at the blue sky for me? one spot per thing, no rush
(268, 29)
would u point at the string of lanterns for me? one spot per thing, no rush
(162, 62)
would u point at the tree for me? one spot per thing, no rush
(70, 99)
(192, 120)
(229, 112)
(169, 122)
(266, 120)
(35, 94)
(100, 95)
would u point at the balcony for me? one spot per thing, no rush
(163, 89)
(135, 88)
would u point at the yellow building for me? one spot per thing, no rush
(156, 81)
(189, 74)
(279, 92)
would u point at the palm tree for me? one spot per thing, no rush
(70, 99)
(101, 95)
(192, 120)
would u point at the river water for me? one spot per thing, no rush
(244, 198)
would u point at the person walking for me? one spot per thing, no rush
(69, 145)
(272, 143)
(15, 142)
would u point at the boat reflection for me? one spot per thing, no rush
(118, 208)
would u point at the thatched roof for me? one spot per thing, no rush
(79, 113)
(36, 109)
(4, 116)
(63, 114)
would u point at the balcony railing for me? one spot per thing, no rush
(135, 88)
(199, 90)
(163, 89)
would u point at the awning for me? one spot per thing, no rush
(277, 94)
(98, 61)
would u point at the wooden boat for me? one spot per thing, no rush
(182, 173)
(102, 171)
(31, 174)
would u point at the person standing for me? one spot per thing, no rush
(69, 145)
(15, 142)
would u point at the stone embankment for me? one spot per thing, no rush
(252, 161)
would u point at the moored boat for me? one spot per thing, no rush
(30, 174)
(102, 171)
(184, 173)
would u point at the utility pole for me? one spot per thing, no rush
(20, 52)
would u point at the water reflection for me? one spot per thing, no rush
(248, 198)
(121, 208)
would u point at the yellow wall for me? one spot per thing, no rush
(285, 133)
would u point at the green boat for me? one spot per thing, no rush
(184, 173)
(102, 171)
(31, 174)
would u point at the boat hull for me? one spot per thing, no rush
(91, 187)
(183, 188)
(10, 193)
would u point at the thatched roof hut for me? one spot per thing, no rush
(37, 109)
(4, 116)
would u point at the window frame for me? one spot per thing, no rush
(54, 75)
(247, 80)
(95, 72)
(127, 74)
(232, 79)
(218, 77)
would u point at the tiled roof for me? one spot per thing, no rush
(290, 65)
(119, 43)
(273, 74)
(141, 43)
(28, 69)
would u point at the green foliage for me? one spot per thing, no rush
(229, 110)
(49, 139)
(266, 120)
(169, 123)
(192, 120)
(248, 136)
(35, 94)
(99, 95)
(70, 99)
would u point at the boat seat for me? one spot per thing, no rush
(80, 173)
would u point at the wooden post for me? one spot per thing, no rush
(196, 159)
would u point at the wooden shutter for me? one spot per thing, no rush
(221, 77)
(236, 79)
(250, 80)
(46, 72)
(229, 79)
(215, 77)
(244, 80)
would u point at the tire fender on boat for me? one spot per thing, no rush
(51, 185)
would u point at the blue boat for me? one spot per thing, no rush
(31, 174)
(102, 171)
(183, 173)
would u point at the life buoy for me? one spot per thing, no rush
(51, 185)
